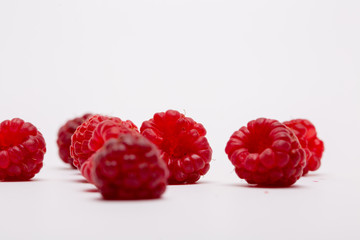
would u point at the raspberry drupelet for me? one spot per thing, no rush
(314, 147)
(80, 149)
(266, 153)
(22, 149)
(129, 167)
(182, 143)
(64, 137)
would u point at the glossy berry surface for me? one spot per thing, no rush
(182, 143)
(104, 131)
(80, 149)
(22, 149)
(129, 167)
(314, 147)
(64, 137)
(266, 153)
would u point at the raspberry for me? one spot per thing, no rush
(182, 143)
(80, 149)
(266, 153)
(314, 147)
(64, 137)
(22, 149)
(104, 131)
(129, 167)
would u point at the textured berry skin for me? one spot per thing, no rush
(267, 153)
(80, 149)
(22, 149)
(64, 137)
(104, 131)
(129, 167)
(314, 147)
(182, 143)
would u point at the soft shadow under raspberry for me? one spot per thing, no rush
(245, 185)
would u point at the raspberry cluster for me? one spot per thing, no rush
(269, 153)
(124, 164)
(171, 148)
(22, 149)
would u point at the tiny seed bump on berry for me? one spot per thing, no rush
(159, 117)
(198, 162)
(282, 159)
(276, 175)
(186, 165)
(200, 128)
(281, 135)
(239, 156)
(205, 169)
(277, 130)
(250, 161)
(232, 145)
(179, 176)
(281, 145)
(4, 159)
(13, 170)
(31, 144)
(172, 115)
(240, 135)
(267, 158)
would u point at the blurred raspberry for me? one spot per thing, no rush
(183, 145)
(22, 149)
(129, 167)
(64, 137)
(314, 147)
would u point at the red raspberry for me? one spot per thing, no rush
(80, 149)
(129, 167)
(104, 131)
(22, 149)
(314, 147)
(182, 143)
(64, 137)
(266, 153)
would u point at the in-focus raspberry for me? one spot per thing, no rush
(129, 167)
(314, 147)
(182, 143)
(64, 137)
(267, 153)
(22, 149)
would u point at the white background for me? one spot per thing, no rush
(222, 62)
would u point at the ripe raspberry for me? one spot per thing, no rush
(22, 149)
(266, 153)
(104, 131)
(182, 143)
(129, 167)
(80, 149)
(64, 137)
(314, 147)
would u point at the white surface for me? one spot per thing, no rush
(224, 63)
